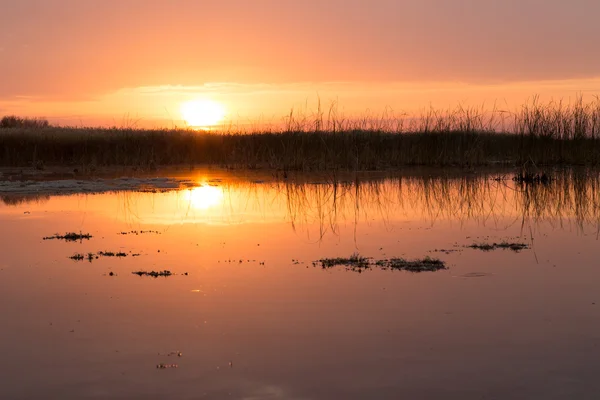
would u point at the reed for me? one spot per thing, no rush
(538, 133)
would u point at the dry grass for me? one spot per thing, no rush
(543, 134)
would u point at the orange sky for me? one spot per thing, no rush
(107, 62)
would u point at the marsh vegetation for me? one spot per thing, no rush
(358, 263)
(153, 274)
(70, 236)
(516, 247)
(537, 133)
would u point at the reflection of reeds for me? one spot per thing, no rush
(18, 199)
(551, 133)
(572, 195)
(335, 200)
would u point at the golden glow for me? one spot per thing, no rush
(204, 197)
(202, 113)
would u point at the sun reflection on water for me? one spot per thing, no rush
(204, 197)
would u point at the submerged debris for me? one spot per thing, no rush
(359, 263)
(516, 247)
(153, 274)
(70, 236)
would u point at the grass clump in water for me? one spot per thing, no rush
(112, 254)
(153, 274)
(426, 264)
(70, 236)
(80, 257)
(355, 261)
(516, 247)
(359, 263)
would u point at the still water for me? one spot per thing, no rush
(246, 315)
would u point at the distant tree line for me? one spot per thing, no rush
(12, 121)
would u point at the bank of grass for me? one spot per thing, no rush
(542, 134)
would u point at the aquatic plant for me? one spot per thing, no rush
(112, 254)
(516, 247)
(70, 236)
(354, 261)
(359, 263)
(154, 274)
(426, 264)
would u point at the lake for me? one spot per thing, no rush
(249, 312)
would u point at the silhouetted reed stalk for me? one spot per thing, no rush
(552, 133)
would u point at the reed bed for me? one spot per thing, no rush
(539, 133)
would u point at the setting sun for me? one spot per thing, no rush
(202, 113)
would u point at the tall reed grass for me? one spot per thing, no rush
(539, 133)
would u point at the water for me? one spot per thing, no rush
(255, 319)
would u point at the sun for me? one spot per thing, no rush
(202, 113)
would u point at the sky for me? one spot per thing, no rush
(113, 61)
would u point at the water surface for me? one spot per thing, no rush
(255, 319)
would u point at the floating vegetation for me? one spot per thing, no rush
(70, 237)
(445, 251)
(516, 247)
(92, 256)
(166, 366)
(80, 257)
(112, 254)
(359, 263)
(355, 261)
(426, 264)
(172, 353)
(153, 274)
(138, 232)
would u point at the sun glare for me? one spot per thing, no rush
(204, 197)
(202, 113)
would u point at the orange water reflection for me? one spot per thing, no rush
(254, 318)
